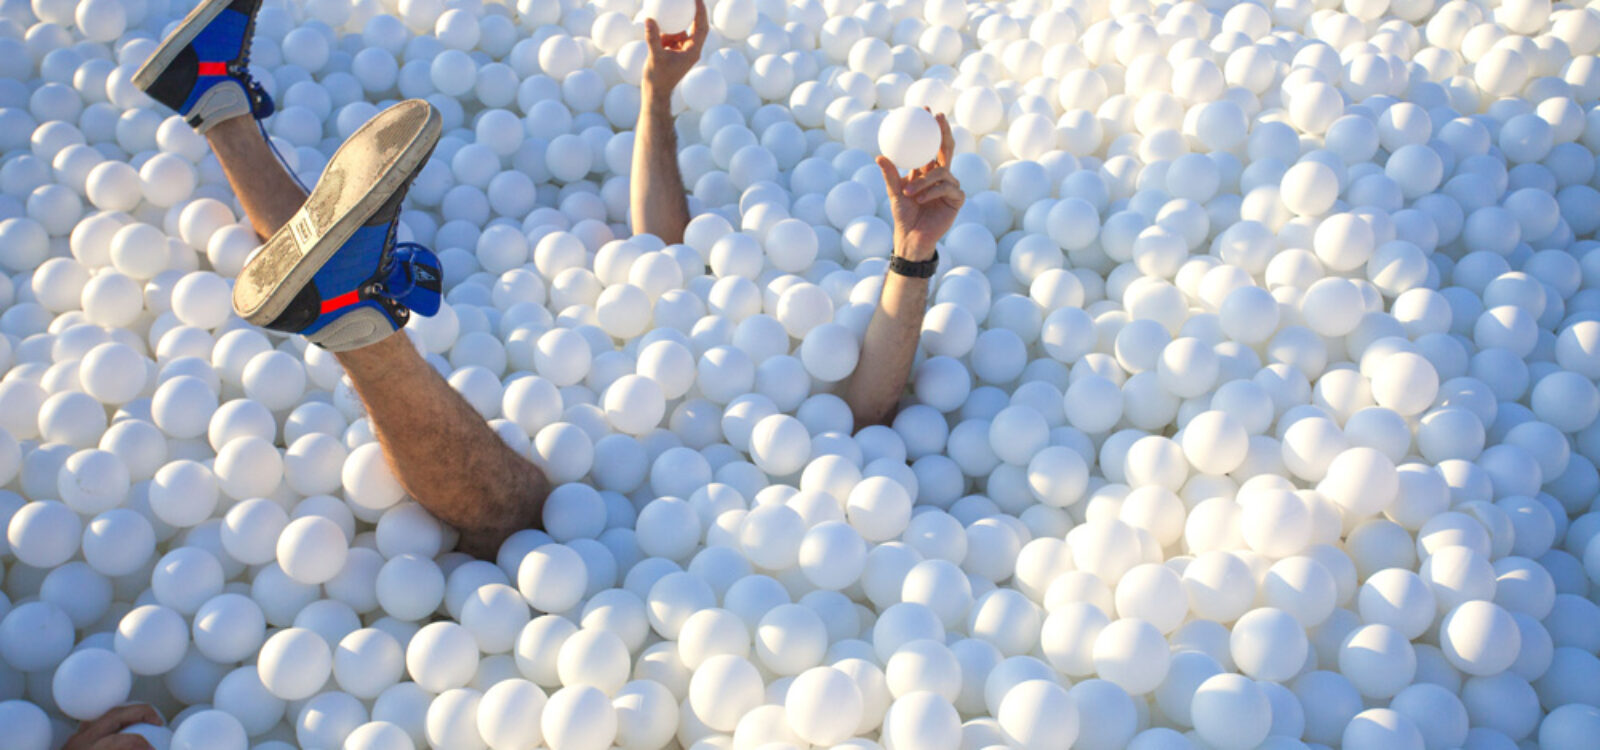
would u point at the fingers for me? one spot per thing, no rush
(133, 713)
(947, 141)
(120, 718)
(652, 35)
(942, 191)
(929, 177)
(938, 184)
(122, 742)
(891, 175)
(701, 26)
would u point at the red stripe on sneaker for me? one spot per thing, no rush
(213, 69)
(344, 300)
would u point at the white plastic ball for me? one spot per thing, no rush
(312, 549)
(294, 663)
(909, 137)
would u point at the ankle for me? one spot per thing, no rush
(378, 357)
(230, 130)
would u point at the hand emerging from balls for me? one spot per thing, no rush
(925, 202)
(102, 733)
(672, 55)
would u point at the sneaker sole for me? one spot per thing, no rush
(191, 26)
(378, 160)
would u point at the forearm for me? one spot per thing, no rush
(887, 350)
(656, 201)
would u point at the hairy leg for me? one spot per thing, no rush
(439, 448)
(269, 193)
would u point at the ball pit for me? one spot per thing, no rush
(1255, 404)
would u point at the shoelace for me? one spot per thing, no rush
(275, 152)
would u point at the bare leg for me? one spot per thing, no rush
(440, 449)
(269, 193)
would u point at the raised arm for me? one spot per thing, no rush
(656, 198)
(925, 203)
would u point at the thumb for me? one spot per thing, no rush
(891, 176)
(652, 34)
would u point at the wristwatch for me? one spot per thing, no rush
(916, 269)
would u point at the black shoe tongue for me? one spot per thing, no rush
(389, 210)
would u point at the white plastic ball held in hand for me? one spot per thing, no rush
(673, 16)
(909, 137)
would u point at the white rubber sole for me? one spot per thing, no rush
(363, 174)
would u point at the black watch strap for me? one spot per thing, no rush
(916, 269)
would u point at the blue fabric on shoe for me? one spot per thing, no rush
(220, 42)
(221, 39)
(359, 275)
(416, 279)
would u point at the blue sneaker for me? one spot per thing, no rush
(334, 273)
(202, 69)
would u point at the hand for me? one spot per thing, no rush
(924, 202)
(101, 734)
(672, 56)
